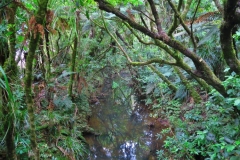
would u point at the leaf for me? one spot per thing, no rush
(230, 91)
(237, 142)
(65, 73)
(235, 158)
(230, 148)
(115, 85)
(81, 2)
(237, 102)
(87, 15)
(87, 26)
(20, 38)
(226, 70)
(150, 87)
(6, 84)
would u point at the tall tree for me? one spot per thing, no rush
(231, 18)
(10, 68)
(37, 30)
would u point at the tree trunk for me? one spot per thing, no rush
(9, 127)
(229, 21)
(39, 17)
(48, 65)
(73, 61)
(10, 68)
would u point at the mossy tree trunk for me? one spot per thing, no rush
(37, 21)
(74, 54)
(9, 128)
(230, 19)
(73, 62)
(48, 65)
(42, 53)
(47, 44)
(10, 68)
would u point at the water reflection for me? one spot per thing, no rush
(124, 131)
(128, 151)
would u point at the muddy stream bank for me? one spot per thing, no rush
(123, 131)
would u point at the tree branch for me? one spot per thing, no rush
(218, 5)
(183, 24)
(137, 36)
(175, 20)
(203, 70)
(153, 60)
(155, 14)
(195, 45)
(186, 9)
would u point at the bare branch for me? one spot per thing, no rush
(186, 9)
(137, 36)
(155, 14)
(183, 24)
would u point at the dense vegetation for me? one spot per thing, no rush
(53, 52)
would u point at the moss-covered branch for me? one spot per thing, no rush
(183, 65)
(10, 67)
(203, 70)
(154, 60)
(73, 62)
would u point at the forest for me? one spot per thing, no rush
(119, 80)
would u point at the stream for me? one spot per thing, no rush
(125, 131)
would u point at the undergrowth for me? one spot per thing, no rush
(209, 131)
(60, 122)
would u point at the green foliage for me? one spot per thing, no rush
(236, 36)
(207, 129)
(16, 112)
(115, 85)
(65, 127)
(48, 124)
(210, 129)
(134, 2)
(4, 84)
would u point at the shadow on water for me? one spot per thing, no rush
(125, 132)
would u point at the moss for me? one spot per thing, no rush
(226, 39)
(73, 61)
(40, 17)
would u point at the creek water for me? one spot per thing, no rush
(124, 132)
